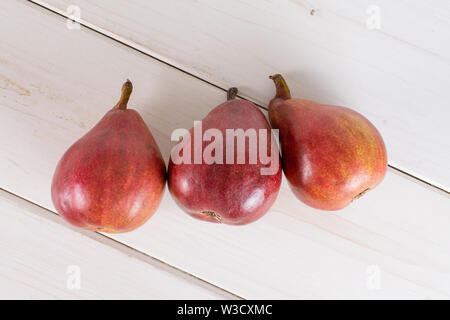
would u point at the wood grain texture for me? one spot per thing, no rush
(56, 83)
(40, 258)
(397, 75)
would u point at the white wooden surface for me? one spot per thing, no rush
(42, 259)
(56, 83)
(397, 75)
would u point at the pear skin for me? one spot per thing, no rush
(331, 155)
(229, 193)
(113, 178)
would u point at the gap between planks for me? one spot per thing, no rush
(173, 64)
(128, 250)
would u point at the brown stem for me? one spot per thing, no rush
(231, 93)
(127, 88)
(281, 86)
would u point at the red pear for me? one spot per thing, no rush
(331, 155)
(113, 178)
(229, 191)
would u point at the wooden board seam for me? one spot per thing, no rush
(130, 251)
(144, 50)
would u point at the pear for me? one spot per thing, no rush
(113, 178)
(228, 183)
(331, 155)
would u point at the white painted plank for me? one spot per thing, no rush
(42, 259)
(397, 76)
(53, 92)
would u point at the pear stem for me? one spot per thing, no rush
(281, 86)
(127, 88)
(231, 93)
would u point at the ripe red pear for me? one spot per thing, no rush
(113, 178)
(228, 192)
(331, 155)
